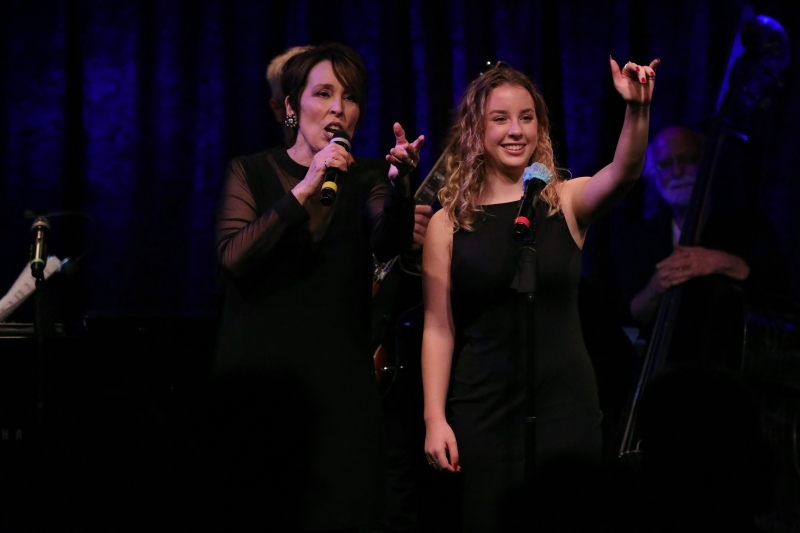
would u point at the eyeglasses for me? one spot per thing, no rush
(681, 160)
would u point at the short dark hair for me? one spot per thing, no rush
(348, 67)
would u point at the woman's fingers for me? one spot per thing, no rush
(452, 448)
(440, 446)
(404, 155)
(641, 73)
(636, 72)
(628, 70)
(441, 461)
(654, 64)
(334, 156)
(416, 146)
(399, 134)
(445, 458)
(615, 68)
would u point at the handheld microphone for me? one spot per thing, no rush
(329, 187)
(40, 227)
(534, 180)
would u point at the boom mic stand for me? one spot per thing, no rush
(40, 227)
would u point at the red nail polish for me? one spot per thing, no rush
(644, 80)
(636, 69)
(455, 465)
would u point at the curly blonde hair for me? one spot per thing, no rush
(465, 174)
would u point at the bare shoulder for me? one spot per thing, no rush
(441, 222)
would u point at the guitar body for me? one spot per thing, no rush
(397, 330)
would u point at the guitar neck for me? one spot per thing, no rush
(425, 195)
(429, 188)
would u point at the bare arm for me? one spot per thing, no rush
(584, 200)
(437, 342)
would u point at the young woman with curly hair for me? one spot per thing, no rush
(474, 350)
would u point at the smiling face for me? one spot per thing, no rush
(510, 136)
(325, 106)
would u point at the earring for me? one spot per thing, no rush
(291, 121)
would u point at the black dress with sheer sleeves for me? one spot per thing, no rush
(294, 376)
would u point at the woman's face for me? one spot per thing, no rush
(325, 106)
(511, 136)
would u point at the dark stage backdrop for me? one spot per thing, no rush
(129, 110)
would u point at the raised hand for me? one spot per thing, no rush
(634, 82)
(404, 157)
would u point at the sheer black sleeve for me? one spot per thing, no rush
(244, 236)
(391, 216)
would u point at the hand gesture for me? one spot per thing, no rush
(404, 157)
(634, 82)
(440, 446)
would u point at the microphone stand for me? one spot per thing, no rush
(39, 335)
(525, 284)
(41, 227)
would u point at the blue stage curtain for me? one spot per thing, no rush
(129, 110)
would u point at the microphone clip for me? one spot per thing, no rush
(40, 228)
(534, 180)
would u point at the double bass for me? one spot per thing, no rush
(752, 81)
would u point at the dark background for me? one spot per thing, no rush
(129, 110)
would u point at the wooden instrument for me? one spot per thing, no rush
(753, 80)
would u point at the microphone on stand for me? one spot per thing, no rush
(534, 180)
(329, 187)
(40, 228)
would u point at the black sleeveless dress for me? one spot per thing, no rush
(486, 404)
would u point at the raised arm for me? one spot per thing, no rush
(438, 339)
(584, 200)
(391, 206)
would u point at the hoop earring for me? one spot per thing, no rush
(291, 121)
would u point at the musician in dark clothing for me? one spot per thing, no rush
(674, 155)
(631, 258)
